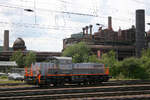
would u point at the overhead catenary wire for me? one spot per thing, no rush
(35, 10)
(27, 25)
(70, 5)
(57, 11)
(141, 2)
(66, 2)
(55, 4)
(65, 12)
(49, 10)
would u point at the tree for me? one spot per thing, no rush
(18, 57)
(94, 59)
(30, 58)
(79, 52)
(109, 59)
(145, 61)
(131, 68)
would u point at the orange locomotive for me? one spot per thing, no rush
(61, 70)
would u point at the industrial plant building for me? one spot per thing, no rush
(6, 52)
(125, 43)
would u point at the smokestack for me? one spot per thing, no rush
(91, 29)
(86, 28)
(140, 31)
(109, 23)
(83, 31)
(6, 40)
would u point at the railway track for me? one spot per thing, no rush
(110, 83)
(125, 89)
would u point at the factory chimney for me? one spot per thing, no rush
(140, 31)
(109, 23)
(6, 40)
(83, 31)
(91, 29)
(86, 28)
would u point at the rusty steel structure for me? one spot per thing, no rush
(122, 42)
(125, 43)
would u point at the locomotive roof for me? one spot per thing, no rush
(63, 58)
(91, 63)
(56, 57)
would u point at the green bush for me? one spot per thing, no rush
(145, 61)
(131, 68)
(115, 70)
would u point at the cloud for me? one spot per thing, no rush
(43, 44)
(44, 29)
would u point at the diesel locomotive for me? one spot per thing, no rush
(61, 70)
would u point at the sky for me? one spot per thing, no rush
(53, 20)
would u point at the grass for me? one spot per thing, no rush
(9, 81)
(117, 79)
(121, 77)
(5, 81)
(18, 86)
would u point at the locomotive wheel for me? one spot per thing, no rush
(55, 85)
(61, 84)
(106, 79)
(42, 85)
(85, 83)
(58, 84)
(79, 84)
(90, 82)
(94, 82)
